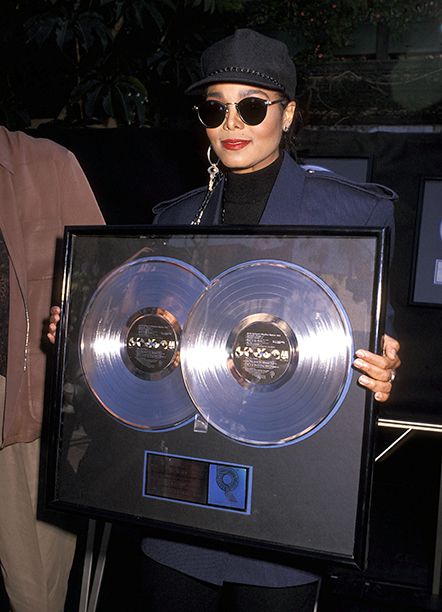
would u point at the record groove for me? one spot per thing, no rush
(267, 352)
(130, 341)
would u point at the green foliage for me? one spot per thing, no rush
(401, 14)
(127, 62)
(222, 6)
(104, 97)
(95, 50)
(318, 27)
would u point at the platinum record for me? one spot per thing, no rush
(267, 352)
(130, 341)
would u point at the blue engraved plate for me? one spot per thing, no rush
(198, 482)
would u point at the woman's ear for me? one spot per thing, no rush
(288, 115)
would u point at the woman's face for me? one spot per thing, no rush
(246, 148)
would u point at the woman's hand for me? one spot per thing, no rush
(54, 318)
(379, 371)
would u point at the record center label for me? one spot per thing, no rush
(263, 350)
(152, 343)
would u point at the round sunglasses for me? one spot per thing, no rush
(252, 111)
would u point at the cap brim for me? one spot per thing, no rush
(199, 87)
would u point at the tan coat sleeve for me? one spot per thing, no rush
(47, 190)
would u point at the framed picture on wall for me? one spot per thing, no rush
(426, 281)
(358, 169)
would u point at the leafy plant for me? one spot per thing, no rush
(318, 27)
(399, 15)
(127, 62)
(111, 99)
(74, 30)
(116, 57)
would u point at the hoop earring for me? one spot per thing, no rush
(213, 169)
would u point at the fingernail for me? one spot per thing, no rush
(378, 396)
(359, 363)
(360, 353)
(364, 380)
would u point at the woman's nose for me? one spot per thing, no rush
(232, 120)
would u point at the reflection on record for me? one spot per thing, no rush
(131, 338)
(267, 352)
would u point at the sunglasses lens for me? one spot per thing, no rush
(252, 110)
(211, 113)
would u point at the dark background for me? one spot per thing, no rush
(370, 86)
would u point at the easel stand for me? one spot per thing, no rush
(90, 592)
(408, 429)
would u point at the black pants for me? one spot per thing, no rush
(167, 590)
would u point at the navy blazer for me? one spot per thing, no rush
(298, 197)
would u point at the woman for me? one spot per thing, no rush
(248, 87)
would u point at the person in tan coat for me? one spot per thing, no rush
(42, 189)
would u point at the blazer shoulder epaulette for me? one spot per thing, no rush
(372, 189)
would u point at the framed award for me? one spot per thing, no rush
(204, 383)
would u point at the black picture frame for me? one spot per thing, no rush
(308, 497)
(426, 277)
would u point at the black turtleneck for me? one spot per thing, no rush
(245, 195)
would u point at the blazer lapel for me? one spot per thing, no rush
(283, 205)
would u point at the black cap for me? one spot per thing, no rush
(248, 57)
